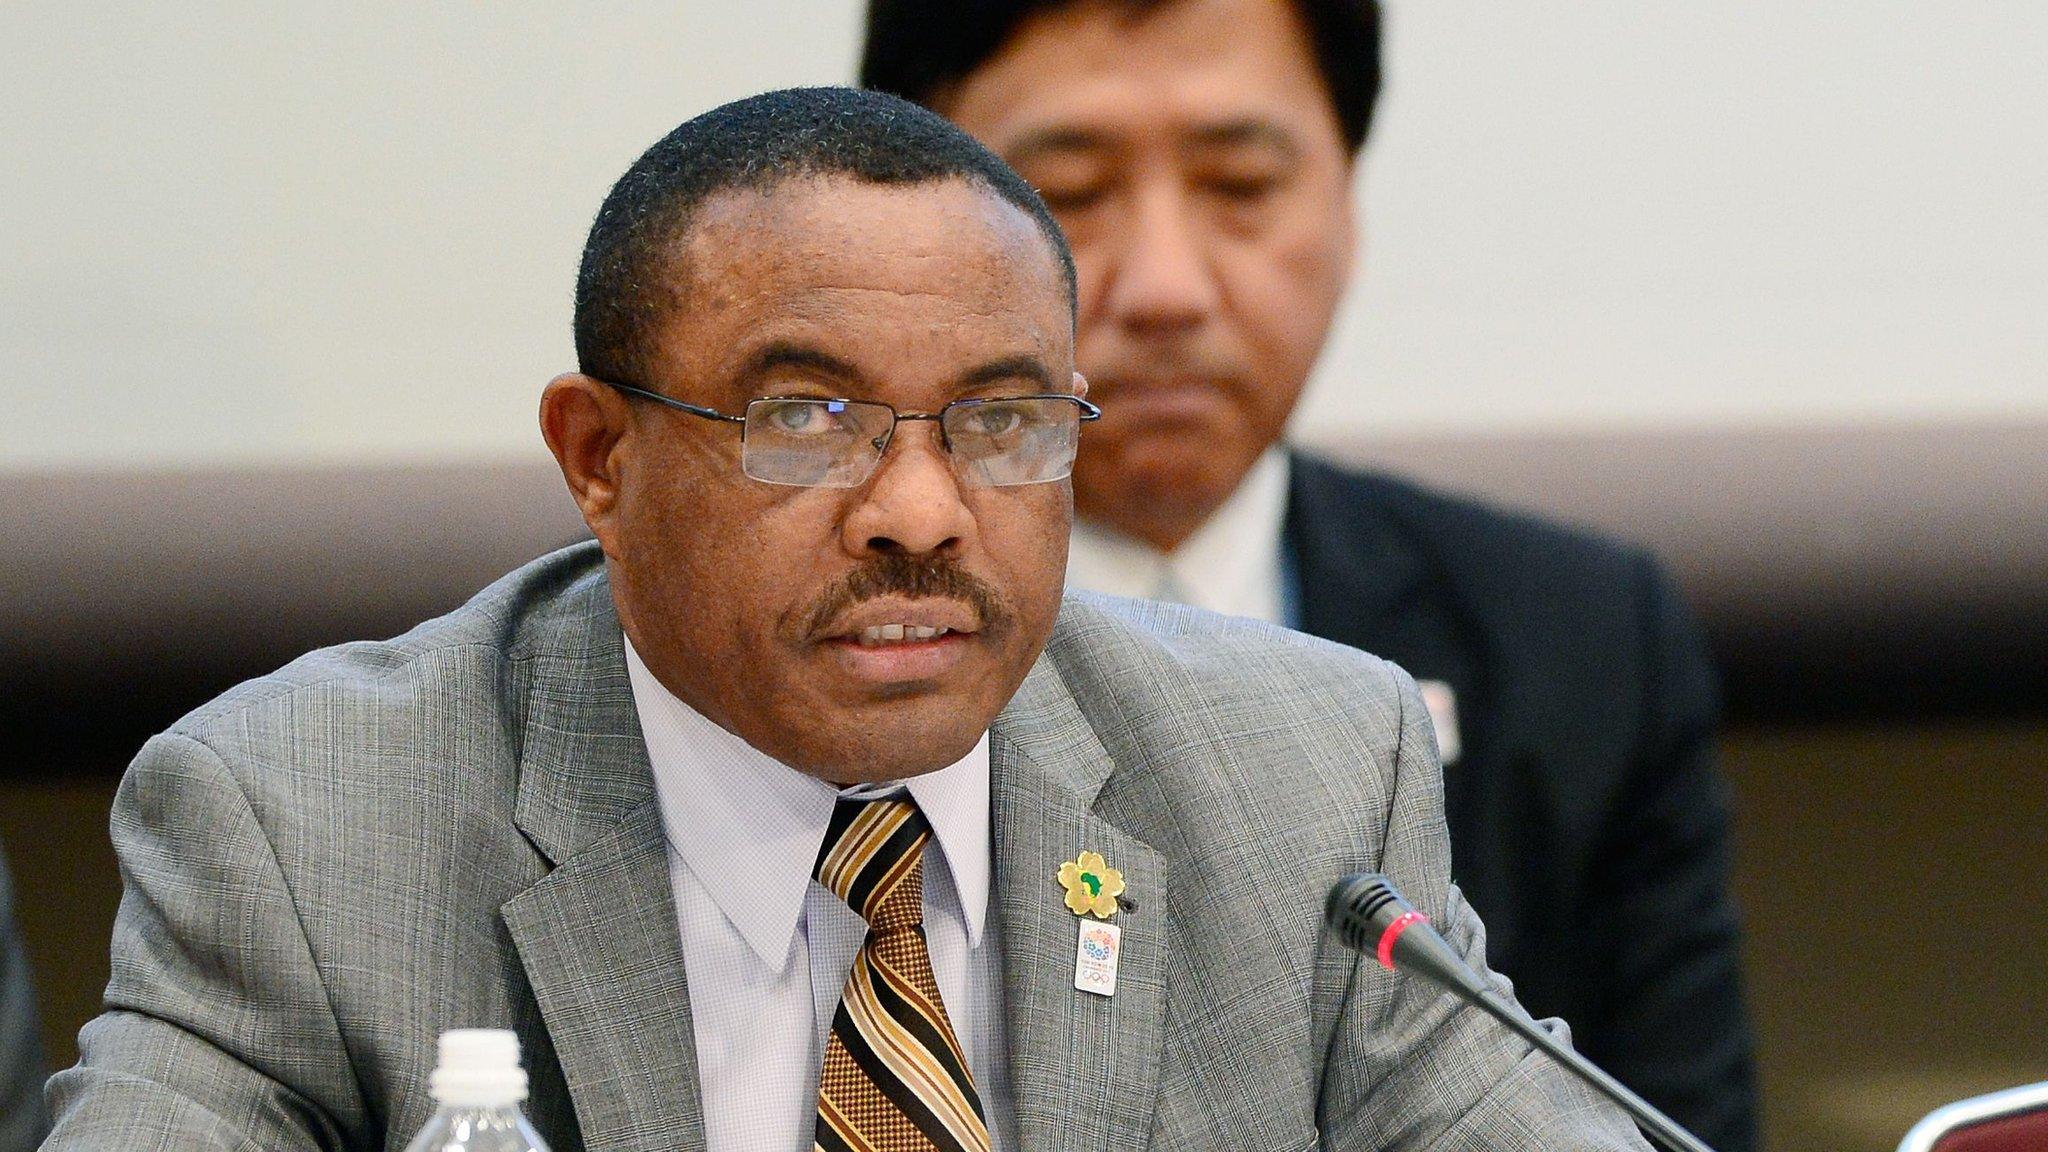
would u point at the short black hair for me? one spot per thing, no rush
(919, 49)
(627, 282)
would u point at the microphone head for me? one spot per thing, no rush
(1369, 914)
(1361, 907)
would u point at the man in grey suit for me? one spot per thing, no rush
(602, 804)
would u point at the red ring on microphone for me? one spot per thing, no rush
(1393, 933)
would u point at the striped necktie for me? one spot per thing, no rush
(895, 1079)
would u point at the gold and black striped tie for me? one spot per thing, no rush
(895, 1079)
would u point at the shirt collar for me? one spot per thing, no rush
(1231, 564)
(749, 827)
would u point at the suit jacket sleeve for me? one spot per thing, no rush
(1400, 1041)
(21, 1054)
(217, 1032)
(1669, 1014)
(1588, 822)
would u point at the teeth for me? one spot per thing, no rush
(897, 633)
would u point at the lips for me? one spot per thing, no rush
(875, 635)
(888, 620)
(1145, 370)
(893, 644)
(1151, 390)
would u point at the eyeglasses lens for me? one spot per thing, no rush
(814, 443)
(997, 443)
(836, 443)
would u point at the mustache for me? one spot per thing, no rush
(914, 578)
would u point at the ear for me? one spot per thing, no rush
(584, 422)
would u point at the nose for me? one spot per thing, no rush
(1159, 279)
(912, 504)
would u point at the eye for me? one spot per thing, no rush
(1070, 198)
(994, 419)
(1243, 189)
(802, 417)
(1070, 182)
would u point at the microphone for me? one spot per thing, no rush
(1369, 915)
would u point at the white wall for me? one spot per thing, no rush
(1610, 212)
(252, 233)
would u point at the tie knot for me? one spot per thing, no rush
(873, 858)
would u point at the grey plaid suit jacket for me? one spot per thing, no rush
(328, 866)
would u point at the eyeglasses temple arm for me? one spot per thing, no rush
(672, 402)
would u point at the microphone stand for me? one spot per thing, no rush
(1370, 915)
(1662, 1128)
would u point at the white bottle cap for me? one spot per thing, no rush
(479, 1068)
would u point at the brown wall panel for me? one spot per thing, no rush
(1895, 575)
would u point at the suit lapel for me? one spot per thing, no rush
(598, 935)
(1084, 1069)
(1353, 569)
(598, 939)
(1372, 572)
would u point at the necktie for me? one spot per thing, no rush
(895, 1079)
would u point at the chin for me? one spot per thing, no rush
(1162, 473)
(1184, 452)
(895, 739)
(907, 757)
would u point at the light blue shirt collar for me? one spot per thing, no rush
(749, 827)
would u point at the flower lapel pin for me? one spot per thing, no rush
(1092, 888)
(1092, 885)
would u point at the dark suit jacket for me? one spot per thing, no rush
(21, 1056)
(1588, 824)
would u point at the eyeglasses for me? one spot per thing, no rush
(813, 443)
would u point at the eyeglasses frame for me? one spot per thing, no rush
(1089, 412)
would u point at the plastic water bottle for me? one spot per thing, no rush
(478, 1085)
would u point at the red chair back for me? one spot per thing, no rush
(2015, 1120)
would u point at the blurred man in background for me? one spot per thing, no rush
(1199, 155)
(21, 1049)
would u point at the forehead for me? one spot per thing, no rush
(945, 269)
(1202, 71)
